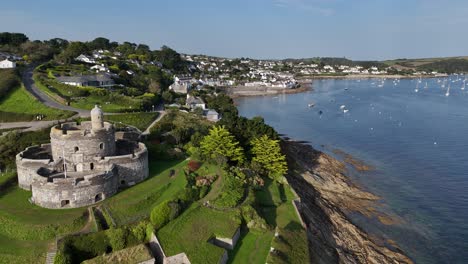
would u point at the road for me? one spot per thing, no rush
(28, 81)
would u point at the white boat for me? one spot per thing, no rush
(311, 105)
(342, 107)
(448, 91)
(345, 111)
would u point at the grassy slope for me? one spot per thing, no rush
(274, 204)
(22, 102)
(190, 232)
(136, 202)
(26, 230)
(138, 120)
(130, 255)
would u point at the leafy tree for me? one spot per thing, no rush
(267, 152)
(99, 43)
(73, 50)
(221, 146)
(167, 96)
(7, 38)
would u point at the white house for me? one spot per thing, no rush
(211, 115)
(100, 68)
(7, 64)
(85, 59)
(194, 102)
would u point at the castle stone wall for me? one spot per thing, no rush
(131, 168)
(29, 161)
(74, 192)
(80, 147)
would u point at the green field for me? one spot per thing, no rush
(253, 247)
(136, 202)
(191, 231)
(113, 103)
(139, 120)
(27, 230)
(20, 105)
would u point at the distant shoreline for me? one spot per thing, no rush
(248, 91)
(370, 76)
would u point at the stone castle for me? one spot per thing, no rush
(83, 164)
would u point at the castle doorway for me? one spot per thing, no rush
(79, 167)
(98, 197)
(65, 203)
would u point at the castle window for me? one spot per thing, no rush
(77, 149)
(91, 166)
(98, 197)
(65, 203)
(101, 146)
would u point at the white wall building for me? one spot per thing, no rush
(7, 64)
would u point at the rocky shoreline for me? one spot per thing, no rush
(326, 195)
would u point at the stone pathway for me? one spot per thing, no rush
(162, 113)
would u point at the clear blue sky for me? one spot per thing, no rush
(357, 29)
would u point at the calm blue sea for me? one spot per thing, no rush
(417, 141)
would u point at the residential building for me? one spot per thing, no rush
(85, 59)
(211, 115)
(7, 64)
(194, 102)
(99, 80)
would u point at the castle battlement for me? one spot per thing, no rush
(82, 165)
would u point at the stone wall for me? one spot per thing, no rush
(29, 161)
(227, 243)
(74, 192)
(131, 168)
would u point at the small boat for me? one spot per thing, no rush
(345, 111)
(448, 91)
(342, 107)
(311, 105)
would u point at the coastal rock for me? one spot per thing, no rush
(326, 195)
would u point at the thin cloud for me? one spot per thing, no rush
(316, 6)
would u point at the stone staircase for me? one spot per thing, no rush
(50, 257)
(51, 253)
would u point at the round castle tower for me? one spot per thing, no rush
(80, 145)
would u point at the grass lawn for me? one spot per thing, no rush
(191, 231)
(26, 230)
(20, 105)
(136, 202)
(111, 103)
(253, 247)
(139, 120)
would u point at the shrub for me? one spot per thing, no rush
(161, 215)
(139, 231)
(232, 192)
(117, 238)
